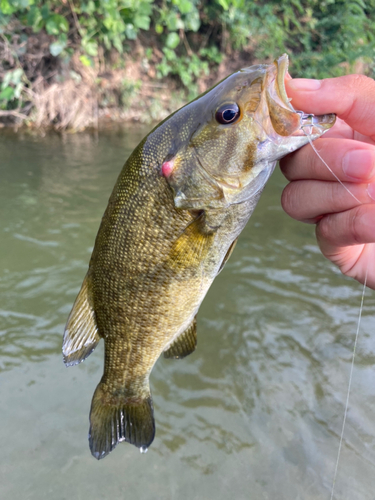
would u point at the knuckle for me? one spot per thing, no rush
(360, 81)
(357, 87)
(288, 199)
(324, 229)
(354, 227)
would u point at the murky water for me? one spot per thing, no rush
(255, 413)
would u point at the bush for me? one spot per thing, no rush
(323, 37)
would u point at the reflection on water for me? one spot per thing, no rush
(255, 412)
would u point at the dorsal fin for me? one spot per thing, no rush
(184, 344)
(81, 332)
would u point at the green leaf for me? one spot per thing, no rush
(45, 12)
(7, 79)
(184, 6)
(90, 47)
(7, 94)
(89, 7)
(130, 32)
(173, 22)
(86, 61)
(6, 8)
(169, 54)
(18, 90)
(34, 16)
(117, 43)
(186, 78)
(56, 24)
(145, 8)
(159, 29)
(172, 40)
(224, 4)
(56, 48)
(193, 21)
(17, 74)
(142, 22)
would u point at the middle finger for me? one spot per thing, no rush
(351, 161)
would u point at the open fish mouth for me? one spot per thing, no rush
(282, 64)
(309, 123)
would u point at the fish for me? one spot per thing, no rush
(172, 221)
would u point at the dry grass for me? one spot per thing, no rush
(66, 105)
(76, 96)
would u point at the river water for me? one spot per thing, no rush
(255, 413)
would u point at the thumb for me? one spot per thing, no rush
(351, 98)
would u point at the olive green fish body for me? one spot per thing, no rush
(176, 211)
(147, 294)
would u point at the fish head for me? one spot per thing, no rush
(232, 136)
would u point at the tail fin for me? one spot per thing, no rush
(114, 419)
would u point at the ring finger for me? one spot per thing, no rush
(308, 201)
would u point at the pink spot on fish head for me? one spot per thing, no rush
(167, 168)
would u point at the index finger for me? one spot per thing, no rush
(350, 97)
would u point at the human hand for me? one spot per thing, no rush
(345, 227)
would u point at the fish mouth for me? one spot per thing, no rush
(282, 64)
(309, 123)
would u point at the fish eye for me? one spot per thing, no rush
(227, 113)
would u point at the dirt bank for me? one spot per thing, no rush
(69, 94)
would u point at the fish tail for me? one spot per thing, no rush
(115, 418)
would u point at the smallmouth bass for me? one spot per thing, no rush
(172, 221)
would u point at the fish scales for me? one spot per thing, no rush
(172, 221)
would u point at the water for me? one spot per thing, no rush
(255, 413)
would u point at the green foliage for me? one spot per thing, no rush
(187, 68)
(323, 37)
(12, 86)
(320, 34)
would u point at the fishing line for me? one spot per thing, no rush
(329, 168)
(349, 387)
(356, 335)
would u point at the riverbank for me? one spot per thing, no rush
(75, 64)
(72, 95)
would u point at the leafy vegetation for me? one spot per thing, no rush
(183, 39)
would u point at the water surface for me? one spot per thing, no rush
(255, 413)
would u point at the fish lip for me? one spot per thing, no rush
(322, 122)
(282, 64)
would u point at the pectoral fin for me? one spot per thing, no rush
(184, 344)
(81, 332)
(227, 255)
(192, 245)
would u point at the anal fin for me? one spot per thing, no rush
(81, 332)
(184, 344)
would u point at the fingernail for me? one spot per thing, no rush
(371, 190)
(304, 84)
(359, 164)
